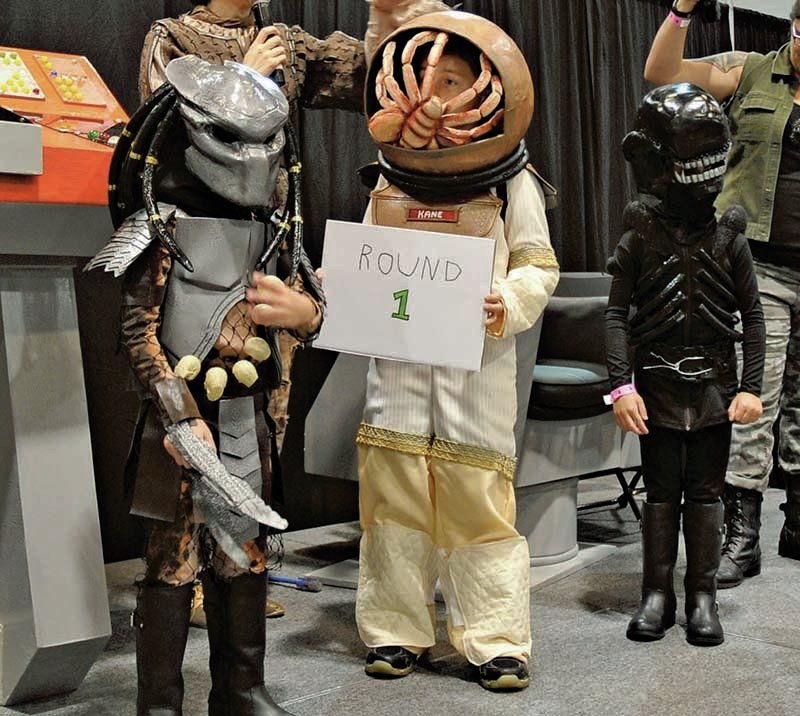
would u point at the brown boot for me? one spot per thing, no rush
(197, 618)
(274, 609)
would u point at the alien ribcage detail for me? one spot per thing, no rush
(684, 289)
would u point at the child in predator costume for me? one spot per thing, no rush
(687, 276)
(201, 308)
(436, 445)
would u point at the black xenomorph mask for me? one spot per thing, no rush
(679, 144)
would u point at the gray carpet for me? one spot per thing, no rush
(582, 663)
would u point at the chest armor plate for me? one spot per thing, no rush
(223, 252)
(476, 217)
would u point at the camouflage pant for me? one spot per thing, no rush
(751, 448)
(279, 398)
(177, 551)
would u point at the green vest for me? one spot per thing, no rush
(758, 114)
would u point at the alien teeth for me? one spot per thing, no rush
(704, 168)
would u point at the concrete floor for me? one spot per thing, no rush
(582, 663)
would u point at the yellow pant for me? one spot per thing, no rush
(425, 519)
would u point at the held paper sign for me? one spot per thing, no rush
(406, 295)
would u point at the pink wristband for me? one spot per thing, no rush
(681, 22)
(626, 389)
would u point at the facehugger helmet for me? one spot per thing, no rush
(504, 121)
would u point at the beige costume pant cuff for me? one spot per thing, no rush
(495, 573)
(396, 580)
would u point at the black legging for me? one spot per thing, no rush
(691, 464)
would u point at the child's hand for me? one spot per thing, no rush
(201, 430)
(386, 16)
(275, 304)
(267, 52)
(495, 313)
(745, 408)
(630, 414)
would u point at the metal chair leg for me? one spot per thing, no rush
(625, 499)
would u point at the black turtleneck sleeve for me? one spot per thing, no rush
(624, 268)
(752, 314)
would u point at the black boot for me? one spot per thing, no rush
(215, 596)
(702, 534)
(237, 639)
(789, 543)
(656, 611)
(741, 553)
(161, 619)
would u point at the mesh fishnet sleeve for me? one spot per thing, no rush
(143, 292)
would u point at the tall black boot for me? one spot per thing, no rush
(702, 534)
(161, 619)
(215, 597)
(789, 542)
(246, 645)
(656, 611)
(741, 553)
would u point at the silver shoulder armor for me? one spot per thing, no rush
(128, 242)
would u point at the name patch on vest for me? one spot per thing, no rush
(449, 216)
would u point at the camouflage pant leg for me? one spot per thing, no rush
(177, 551)
(278, 408)
(750, 461)
(173, 553)
(789, 427)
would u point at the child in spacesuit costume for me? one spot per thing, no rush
(449, 100)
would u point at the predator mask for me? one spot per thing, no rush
(234, 118)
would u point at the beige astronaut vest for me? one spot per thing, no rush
(475, 217)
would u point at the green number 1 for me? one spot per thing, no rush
(402, 297)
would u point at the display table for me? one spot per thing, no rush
(54, 613)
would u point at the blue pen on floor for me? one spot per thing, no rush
(304, 584)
